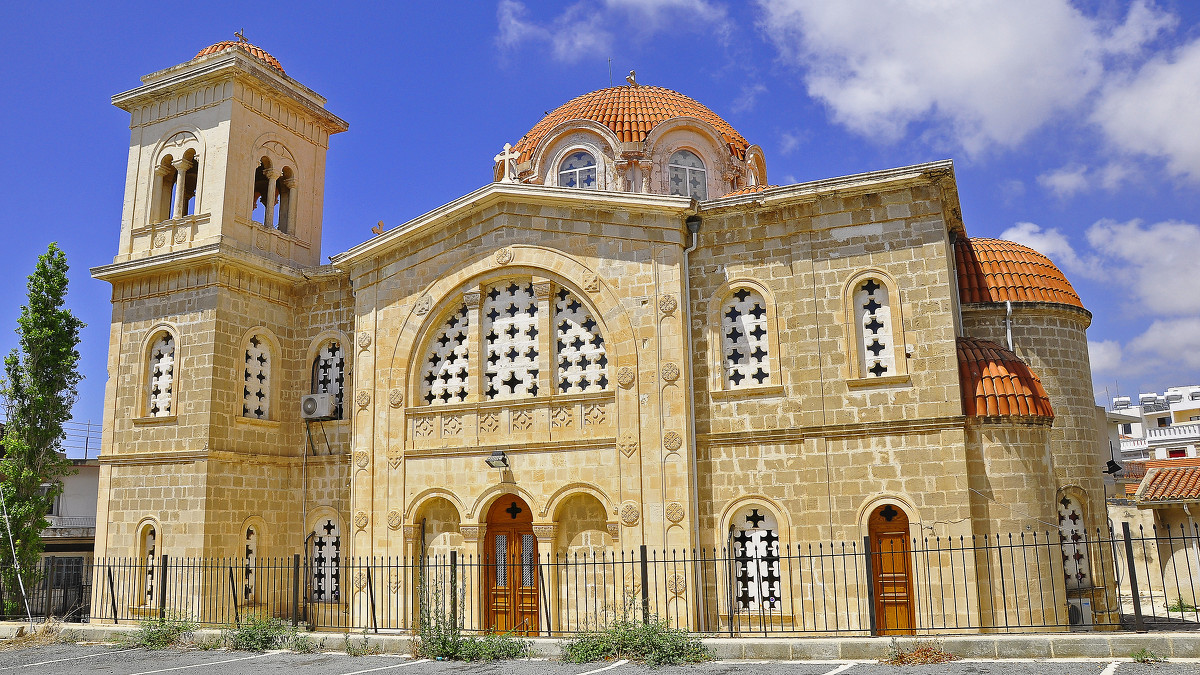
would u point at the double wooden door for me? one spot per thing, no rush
(892, 569)
(511, 568)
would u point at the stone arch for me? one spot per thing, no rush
(135, 547)
(558, 141)
(695, 135)
(179, 142)
(443, 523)
(417, 502)
(348, 352)
(273, 378)
(896, 309)
(581, 521)
(262, 531)
(144, 374)
(905, 502)
(716, 304)
(756, 167)
(479, 509)
(570, 490)
(725, 521)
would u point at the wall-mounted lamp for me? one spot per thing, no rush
(497, 460)
(1112, 468)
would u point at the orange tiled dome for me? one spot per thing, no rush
(631, 112)
(995, 382)
(253, 50)
(994, 270)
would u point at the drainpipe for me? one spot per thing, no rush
(693, 223)
(1008, 323)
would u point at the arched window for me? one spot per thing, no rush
(755, 540)
(250, 561)
(1072, 533)
(329, 374)
(510, 335)
(745, 343)
(326, 562)
(256, 396)
(578, 170)
(147, 550)
(687, 176)
(872, 314)
(446, 372)
(582, 362)
(174, 190)
(274, 204)
(161, 376)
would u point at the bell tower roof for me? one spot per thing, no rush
(244, 46)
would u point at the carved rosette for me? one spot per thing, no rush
(364, 340)
(360, 581)
(363, 398)
(503, 256)
(667, 304)
(626, 376)
(361, 520)
(362, 459)
(677, 584)
(471, 532)
(424, 304)
(160, 240)
(180, 236)
(672, 441)
(396, 398)
(393, 520)
(670, 372)
(630, 514)
(628, 445)
(674, 512)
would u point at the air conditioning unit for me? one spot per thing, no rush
(1079, 611)
(317, 407)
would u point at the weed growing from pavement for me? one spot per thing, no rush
(363, 648)
(921, 652)
(171, 630)
(653, 642)
(1180, 606)
(260, 633)
(440, 634)
(46, 633)
(1146, 656)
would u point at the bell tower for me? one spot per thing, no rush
(226, 152)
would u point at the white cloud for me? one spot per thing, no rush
(1174, 341)
(1153, 112)
(1066, 181)
(789, 142)
(988, 72)
(1105, 356)
(749, 97)
(1157, 265)
(1049, 242)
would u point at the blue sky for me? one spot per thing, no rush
(1073, 126)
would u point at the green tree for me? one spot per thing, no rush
(39, 387)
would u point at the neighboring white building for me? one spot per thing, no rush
(1164, 426)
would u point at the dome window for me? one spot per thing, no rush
(687, 175)
(578, 170)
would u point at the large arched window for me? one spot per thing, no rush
(174, 190)
(582, 362)
(578, 170)
(329, 374)
(510, 334)
(326, 561)
(160, 376)
(446, 371)
(745, 343)
(686, 175)
(256, 394)
(1072, 533)
(755, 541)
(873, 326)
(147, 551)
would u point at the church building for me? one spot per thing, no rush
(630, 338)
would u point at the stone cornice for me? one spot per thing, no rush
(147, 458)
(859, 430)
(495, 193)
(1056, 308)
(516, 448)
(206, 254)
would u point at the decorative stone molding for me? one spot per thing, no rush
(362, 398)
(545, 531)
(472, 532)
(364, 340)
(180, 236)
(424, 304)
(672, 441)
(361, 520)
(393, 519)
(541, 290)
(667, 304)
(260, 241)
(394, 462)
(614, 531)
(503, 256)
(360, 581)
(362, 459)
(628, 445)
(626, 376)
(630, 513)
(633, 585)
(670, 372)
(674, 512)
(410, 532)
(677, 584)
(395, 582)
(472, 299)
(396, 398)
(160, 240)
(591, 283)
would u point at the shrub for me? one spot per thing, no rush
(172, 630)
(492, 647)
(363, 648)
(1180, 606)
(921, 652)
(260, 633)
(1146, 656)
(653, 642)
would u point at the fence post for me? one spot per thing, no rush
(162, 587)
(454, 587)
(1139, 623)
(112, 589)
(295, 589)
(645, 565)
(870, 586)
(371, 596)
(237, 619)
(48, 602)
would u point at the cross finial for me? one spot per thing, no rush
(508, 157)
(238, 34)
(631, 78)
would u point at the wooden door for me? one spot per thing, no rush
(891, 560)
(511, 577)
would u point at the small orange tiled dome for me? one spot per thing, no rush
(253, 50)
(995, 382)
(631, 112)
(994, 270)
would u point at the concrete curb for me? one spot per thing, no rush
(1171, 645)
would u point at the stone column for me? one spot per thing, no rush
(181, 169)
(269, 198)
(474, 539)
(291, 184)
(474, 301)
(545, 533)
(545, 325)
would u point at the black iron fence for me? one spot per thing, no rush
(1119, 580)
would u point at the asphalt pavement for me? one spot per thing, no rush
(109, 660)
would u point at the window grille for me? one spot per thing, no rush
(326, 563)
(510, 341)
(578, 170)
(328, 376)
(744, 340)
(874, 330)
(446, 373)
(162, 375)
(582, 362)
(1072, 533)
(756, 556)
(256, 395)
(687, 176)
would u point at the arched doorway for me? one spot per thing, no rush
(510, 560)
(892, 570)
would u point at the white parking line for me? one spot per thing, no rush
(1112, 668)
(608, 667)
(72, 658)
(201, 665)
(841, 669)
(398, 665)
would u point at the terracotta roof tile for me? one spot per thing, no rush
(994, 270)
(631, 113)
(253, 50)
(749, 189)
(1174, 483)
(994, 382)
